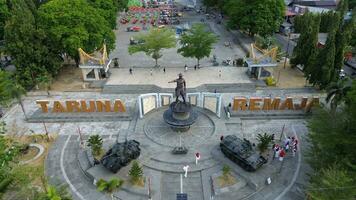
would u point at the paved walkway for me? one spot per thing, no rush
(164, 170)
(194, 78)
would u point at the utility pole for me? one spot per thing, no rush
(45, 127)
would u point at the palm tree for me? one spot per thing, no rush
(337, 92)
(9, 90)
(109, 186)
(95, 142)
(45, 82)
(264, 141)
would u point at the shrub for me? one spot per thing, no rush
(135, 172)
(240, 61)
(109, 186)
(95, 142)
(226, 170)
(270, 81)
(264, 141)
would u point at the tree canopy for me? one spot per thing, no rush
(154, 42)
(197, 42)
(4, 13)
(29, 47)
(261, 17)
(331, 153)
(73, 24)
(107, 9)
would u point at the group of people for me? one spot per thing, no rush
(289, 144)
(164, 70)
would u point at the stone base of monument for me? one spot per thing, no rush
(180, 116)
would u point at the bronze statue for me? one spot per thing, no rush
(181, 87)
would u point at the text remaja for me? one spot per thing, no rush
(101, 105)
(239, 103)
(257, 103)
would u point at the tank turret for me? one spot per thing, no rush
(241, 152)
(121, 155)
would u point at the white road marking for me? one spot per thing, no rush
(64, 172)
(295, 176)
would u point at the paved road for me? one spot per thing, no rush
(283, 41)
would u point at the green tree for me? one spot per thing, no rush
(82, 26)
(109, 186)
(135, 172)
(307, 41)
(331, 183)
(264, 142)
(9, 90)
(4, 13)
(337, 92)
(210, 3)
(197, 42)
(108, 9)
(261, 17)
(28, 46)
(122, 4)
(96, 143)
(155, 41)
(326, 60)
(44, 82)
(343, 37)
(326, 20)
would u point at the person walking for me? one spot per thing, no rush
(151, 72)
(130, 70)
(164, 70)
(282, 153)
(186, 168)
(197, 158)
(276, 151)
(195, 67)
(185, 68)
(220, 73)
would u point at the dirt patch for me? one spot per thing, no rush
(69, 79)
(288, 77)
(226, 181)
(138, 183)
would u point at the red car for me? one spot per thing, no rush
(134, 21)
(123, 21)
(133, 29)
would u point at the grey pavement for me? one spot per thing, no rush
(165, 179)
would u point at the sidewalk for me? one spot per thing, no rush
(193, 78)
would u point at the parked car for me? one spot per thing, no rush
(133, 29)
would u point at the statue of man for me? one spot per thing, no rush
(181, 87)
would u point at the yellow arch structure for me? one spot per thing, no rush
(265, 53)
(85, 57)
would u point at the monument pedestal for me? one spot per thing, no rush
(180, 116)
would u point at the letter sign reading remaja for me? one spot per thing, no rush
(277, 103)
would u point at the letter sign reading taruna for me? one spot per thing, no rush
(102, 105)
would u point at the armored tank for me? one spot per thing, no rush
(121, 155)
(241, 152)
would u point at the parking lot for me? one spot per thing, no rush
(170, 57)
